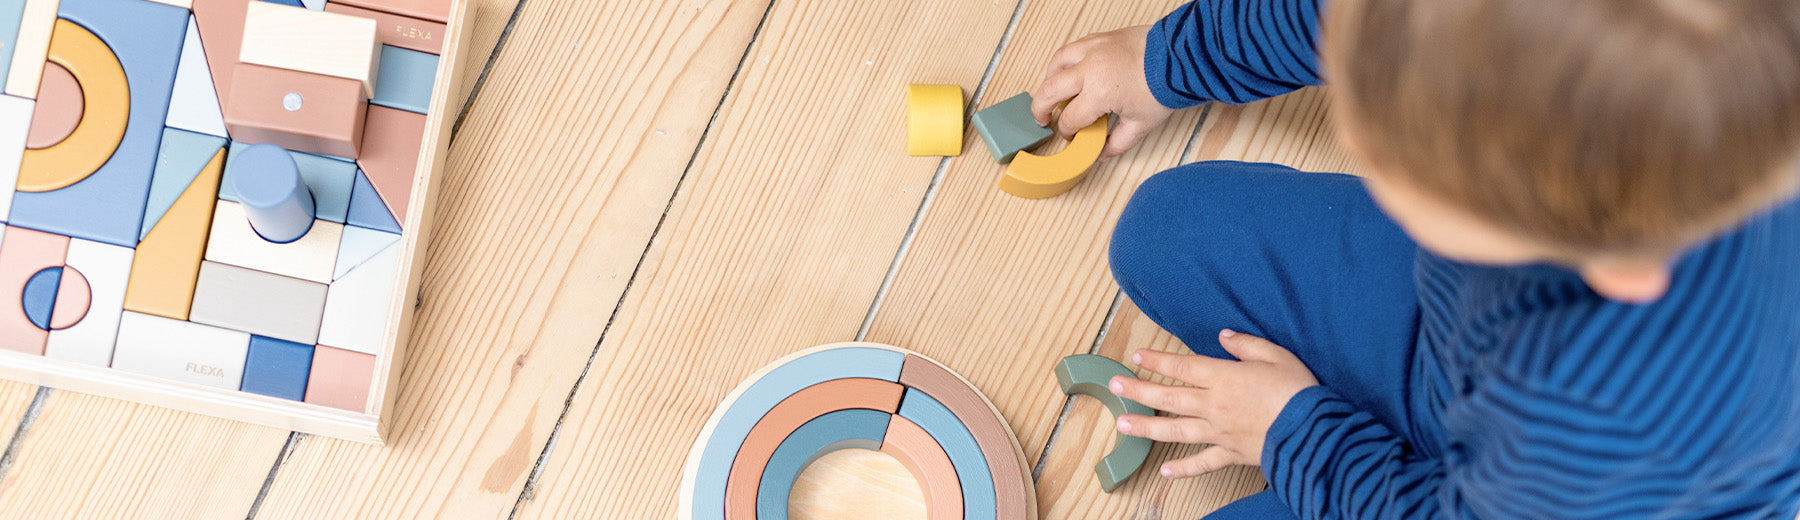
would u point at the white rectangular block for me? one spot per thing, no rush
(107, 268)
(27, 70)
(258, 303)
(180, 350)
(310, 258)
(297, 38)
(356, 308)
(15, 124)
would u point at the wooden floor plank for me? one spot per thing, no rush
(557, 182)
(15, 399)
(491, 18)
(1293, 130)
(779, 239)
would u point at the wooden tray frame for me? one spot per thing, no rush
(373, 426)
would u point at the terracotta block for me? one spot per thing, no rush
(399, 31)
(296, 110)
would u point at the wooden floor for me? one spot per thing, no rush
(646, 202)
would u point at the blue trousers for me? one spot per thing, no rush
(1304, 259)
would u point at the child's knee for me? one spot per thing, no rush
(1167, 212)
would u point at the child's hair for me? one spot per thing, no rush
(1596, 126)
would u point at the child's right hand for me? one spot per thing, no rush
(1100, 74)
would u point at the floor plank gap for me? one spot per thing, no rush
(937, 178)
(537, 468)
(486, 67)
(287, 448)
(18, 438)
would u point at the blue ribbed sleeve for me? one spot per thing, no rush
(1236, 51)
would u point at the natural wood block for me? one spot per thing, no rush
(396, 30)
(305, 40)
(33, 43)
(296, 110)
(310, 258)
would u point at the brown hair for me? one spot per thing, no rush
(1597, 126)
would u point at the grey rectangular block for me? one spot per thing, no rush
(258, 303)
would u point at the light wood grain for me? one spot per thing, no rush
(15, 398)
(778, 241)
(856, 484)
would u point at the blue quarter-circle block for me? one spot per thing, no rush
(404, 81)
(367, 209)
(950, 433)
(269, 187)
(735, 423)
(40, 296)
(839, 430)
(277, 368)
(147, 37)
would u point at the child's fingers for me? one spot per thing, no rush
(1129, 133)
(1186, 430)
(1247, 347)
(1180, 400)
(1056, 89)
(1211, 459)
(1187, 368)
(1080, 112)
(1067, 56)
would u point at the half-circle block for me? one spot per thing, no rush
(1012, 498)
(929, 465)
(59, 108)
(1035, 176)
(839, 430)
(805, 405)
(24, 252)
(73, 297)
(1088, 375)
(934, 120)
(954, 436)
(106, 99)
(758, 395)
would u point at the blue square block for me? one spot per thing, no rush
(277, 368)
(404, 81)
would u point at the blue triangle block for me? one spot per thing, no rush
(179, 162)
(367, 209)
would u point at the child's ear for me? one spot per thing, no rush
(1629, 281)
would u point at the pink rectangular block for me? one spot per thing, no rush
(340, 379)
(24, 252)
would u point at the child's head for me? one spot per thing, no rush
(1607, 135)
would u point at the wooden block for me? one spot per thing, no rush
(73, 297)
(330, 178)
(100, 81)
(433, 10)
(356, 306)
(340, 379)
(301, 39)
(1088, 375)
(184, 156)
(58, 108)
(1041, 177)
(399, 31)
(11, 13)
(181, 351)
(15, 122)
(24, 252)
(358, 245)
(406, 78)
(719, 443)
(184, 4)
(36, 21)
(168, 260)
(391, 156)
(934, 120)
(1008, 127)
(146, 37)
(89, 337)
(839, 430)
(275, 199)
(960, 444)
(277, 368)
(296, 110)
(367, 209)
(741, 488)
(309, 258)
(929, 465)
(998, 448)
(222, 35)
(194, 106)
(258, 303)
(40, 296)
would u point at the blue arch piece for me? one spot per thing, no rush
(735, 422)
(950, 433)
(40, 296)
(367, 209)
(839, 430)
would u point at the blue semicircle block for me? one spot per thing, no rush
(39, 299)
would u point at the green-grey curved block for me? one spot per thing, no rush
(1088, 374)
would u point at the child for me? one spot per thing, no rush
(1583, 300)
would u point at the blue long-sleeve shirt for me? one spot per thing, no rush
(1533, 397)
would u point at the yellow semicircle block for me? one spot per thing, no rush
(107, 106)
(934, 120)
(1035, 176)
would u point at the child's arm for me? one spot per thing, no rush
(1234, 51)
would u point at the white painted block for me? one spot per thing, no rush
(316, 5)
(107, 268)
(180, 350)
(234, 242)
(15, 124)
(358, 246)
(195, 104)
(356, 307)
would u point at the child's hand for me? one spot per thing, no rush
(1231, 404)
(1100, 74)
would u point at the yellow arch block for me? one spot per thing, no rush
(934, 120)
(107, 103)
(1034, 176)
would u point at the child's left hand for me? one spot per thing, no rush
(1230, 404)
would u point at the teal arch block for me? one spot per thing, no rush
(839, 430)
(950, 433)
